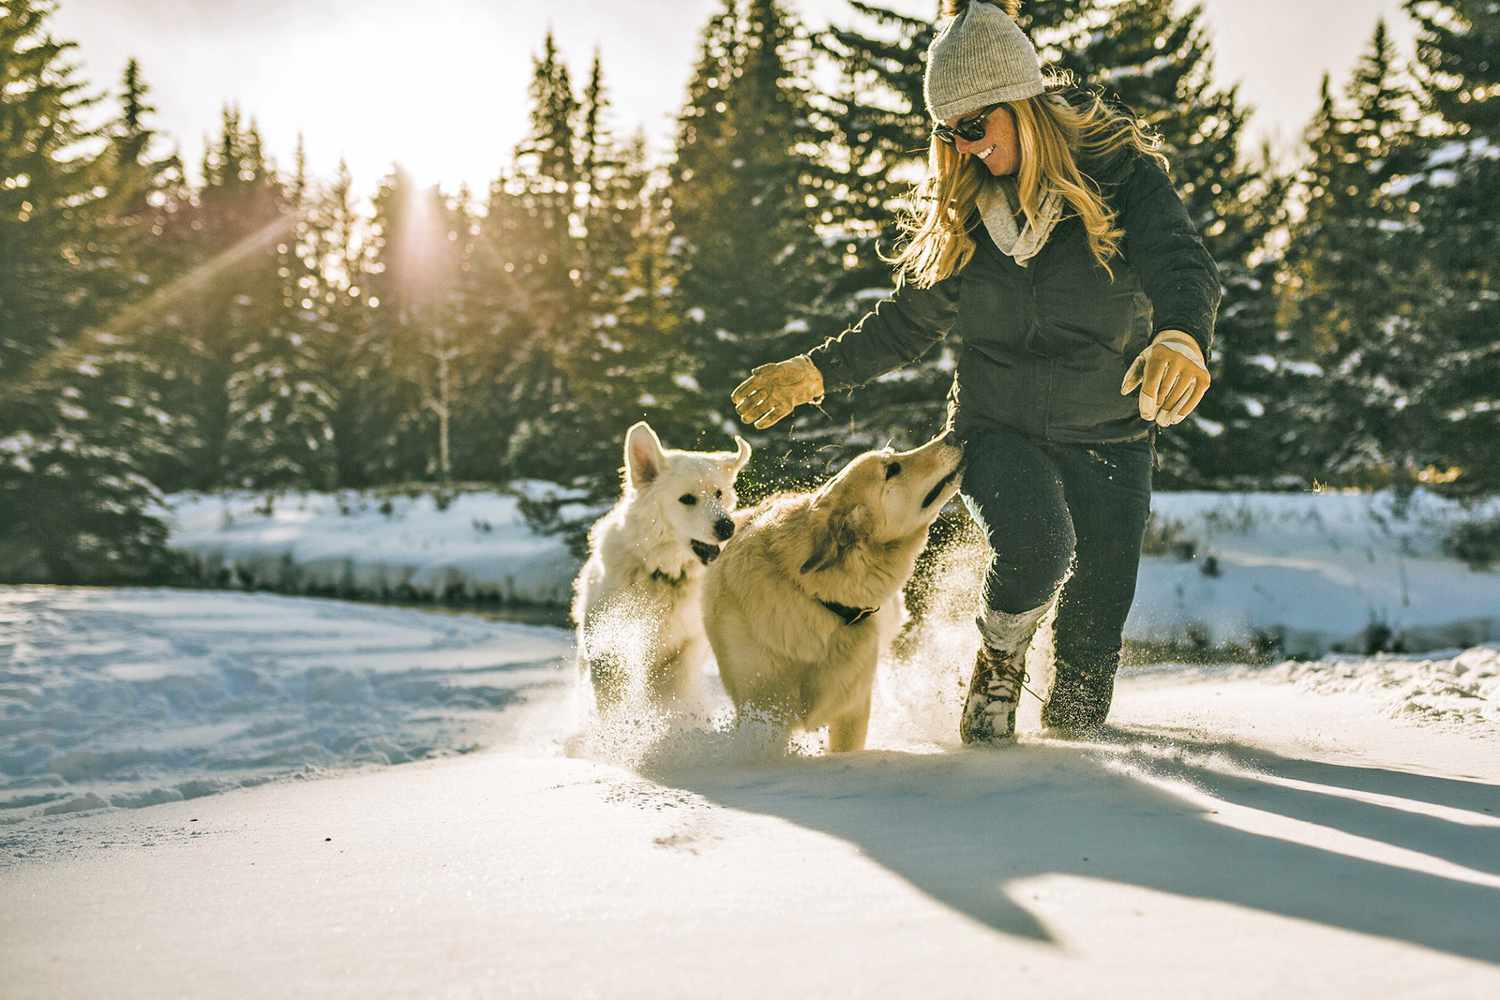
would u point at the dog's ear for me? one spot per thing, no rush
(643, 455)
(740, 458)
(844, 528)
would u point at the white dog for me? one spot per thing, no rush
(637, 602)
(802, 605)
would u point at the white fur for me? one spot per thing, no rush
(854, 542)
(637, 600)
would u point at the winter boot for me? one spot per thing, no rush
(1079, 700)
(999, 672)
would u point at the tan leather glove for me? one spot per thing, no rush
(775, 390)
(1172, 378)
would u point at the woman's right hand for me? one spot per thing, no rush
(772, 391)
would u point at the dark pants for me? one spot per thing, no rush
(1046, 507)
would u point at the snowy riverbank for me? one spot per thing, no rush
(476, 547)
(1324, 829)
(1307, 572)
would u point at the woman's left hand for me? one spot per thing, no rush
(1171, 376)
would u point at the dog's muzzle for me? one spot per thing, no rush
(942, 484)
(705, 552)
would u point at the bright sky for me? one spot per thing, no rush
(441, 84)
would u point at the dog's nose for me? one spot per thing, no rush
(723, 528)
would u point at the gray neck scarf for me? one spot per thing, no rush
(999, 207)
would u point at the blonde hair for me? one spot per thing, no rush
(935, 240)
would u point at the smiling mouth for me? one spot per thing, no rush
(942, 484)
(705, 552)
(985, 154)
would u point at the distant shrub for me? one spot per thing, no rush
(1230, 518)
(1476, 542)
(1168, 537)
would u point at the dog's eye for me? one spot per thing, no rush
(719, 494)
(893, 470)
(688, 499)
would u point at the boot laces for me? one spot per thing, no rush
(1007, 686)
(1007, 676)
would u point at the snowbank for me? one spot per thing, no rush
(1301, 573)
(477, 547)
(1314, 572)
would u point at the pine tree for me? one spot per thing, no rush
(74, 505)
(745, 207)
(278, 434)
(547, 321)
(351, 366)
(145, 240)
(1350, 292)
(613, 374)
(49, 205)
(1246, 430)
(414, 270)
(458, 311)
(236, 228)
(654, 364)
(623, 362)
(147, 193)
(488, 411)
(1457, 240)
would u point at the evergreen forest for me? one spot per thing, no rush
(239, 324)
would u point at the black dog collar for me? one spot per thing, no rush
(851, 616)
(671, 581)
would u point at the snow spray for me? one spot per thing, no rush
(923, 681)
(920, 683)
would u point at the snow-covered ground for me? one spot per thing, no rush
(475, 547)
(129, 698)
(1310, 829)
(1313, 572)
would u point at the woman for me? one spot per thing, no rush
(1052, 241)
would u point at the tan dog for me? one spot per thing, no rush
(800, 607)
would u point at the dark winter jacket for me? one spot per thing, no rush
(1045, 346)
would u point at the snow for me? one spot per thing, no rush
(1460, 149)
(1148, 68)
(128, 698)
(1314, 571)
(353, 543)
(1239, 832)
(1458, 689)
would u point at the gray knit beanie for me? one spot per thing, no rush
(981, 57)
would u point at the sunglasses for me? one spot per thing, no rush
(970, 129)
